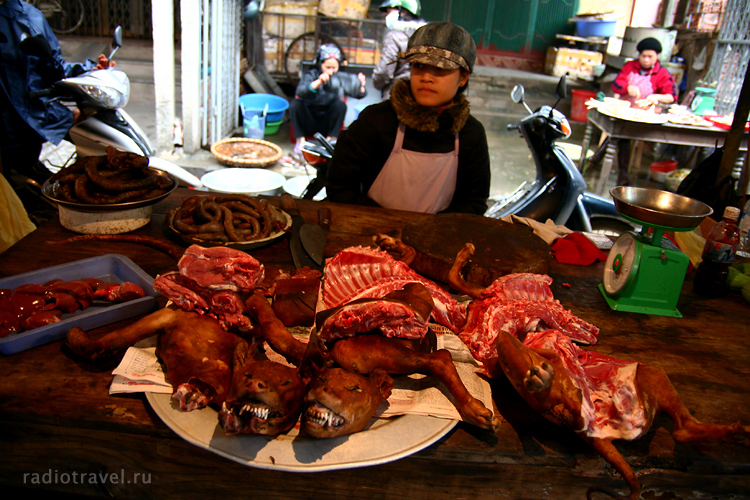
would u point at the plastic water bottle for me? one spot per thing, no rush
(718, 254)
(743, 250)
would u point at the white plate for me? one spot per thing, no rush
(384, 440)
(243, 180)
(296, 186)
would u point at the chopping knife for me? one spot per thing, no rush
(300, 257)
(314, 236)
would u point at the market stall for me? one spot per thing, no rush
(64, 433)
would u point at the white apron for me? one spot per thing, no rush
(414, 181)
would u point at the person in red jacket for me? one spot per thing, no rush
(644, 82)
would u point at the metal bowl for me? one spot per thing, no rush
(659, 208)
(48, 190)
(110, 218)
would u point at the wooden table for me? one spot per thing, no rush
(57, 418)
(667, 133)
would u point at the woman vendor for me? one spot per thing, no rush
(318, 105)
(421, 150)
(645, 83)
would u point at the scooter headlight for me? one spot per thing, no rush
(107, 96)
(565, 128)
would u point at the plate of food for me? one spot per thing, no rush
(633, 114)
(383, 441)
(690, 119)
(232, 220)
(113, 182)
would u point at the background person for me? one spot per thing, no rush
(402, 20)
(26, 124)
(318, 104)
(421, 150)
(645, 83)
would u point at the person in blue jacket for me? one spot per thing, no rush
(318, 105)
(26, 124)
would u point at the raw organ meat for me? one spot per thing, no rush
(221, 268)
(210, 281)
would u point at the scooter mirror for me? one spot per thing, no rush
(517, 93)
(116, 41)
(561, 92)
(117, 38)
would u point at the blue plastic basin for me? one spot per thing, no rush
(256, 102)
(596, 27)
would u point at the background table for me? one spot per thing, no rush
(667, 133)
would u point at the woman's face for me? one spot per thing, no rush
(648, 58)
(330, 66)
(432, 86)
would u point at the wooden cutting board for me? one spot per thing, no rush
(501, 248)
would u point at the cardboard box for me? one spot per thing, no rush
(573, 62)
(274, 49)
(365, 51)
(289, 19)
(350, 9)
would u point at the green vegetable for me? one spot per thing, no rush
(736, 280)
(746, 292)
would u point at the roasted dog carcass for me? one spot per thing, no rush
(599, 397)
(265, 397)
(389, 333)
(340, 402)
(196, 351)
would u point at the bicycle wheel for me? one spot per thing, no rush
(301, 49)
(63, 16)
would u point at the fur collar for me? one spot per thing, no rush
(428, 118)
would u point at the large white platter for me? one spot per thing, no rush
(633, 114)
(384, 440)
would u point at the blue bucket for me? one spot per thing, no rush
(257, 102)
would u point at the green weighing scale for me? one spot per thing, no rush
(644, 271)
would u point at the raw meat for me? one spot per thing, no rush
(360, 272)
(221, 268)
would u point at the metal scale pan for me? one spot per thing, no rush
(643, 274)
(653, 207)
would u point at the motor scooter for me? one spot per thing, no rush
(101, 95)
(317, 154)
(559, 190)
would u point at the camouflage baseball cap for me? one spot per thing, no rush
(441, 44)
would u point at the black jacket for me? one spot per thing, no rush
(363, 149)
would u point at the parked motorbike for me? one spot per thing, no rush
(559, 191)
(317, 154)
(101, 95)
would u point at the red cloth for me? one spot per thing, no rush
(576, 249)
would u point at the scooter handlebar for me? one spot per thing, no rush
(36, 94)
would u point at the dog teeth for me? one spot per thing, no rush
(325, 418)
(261, 412)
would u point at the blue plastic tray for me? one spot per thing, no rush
(110, 268)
